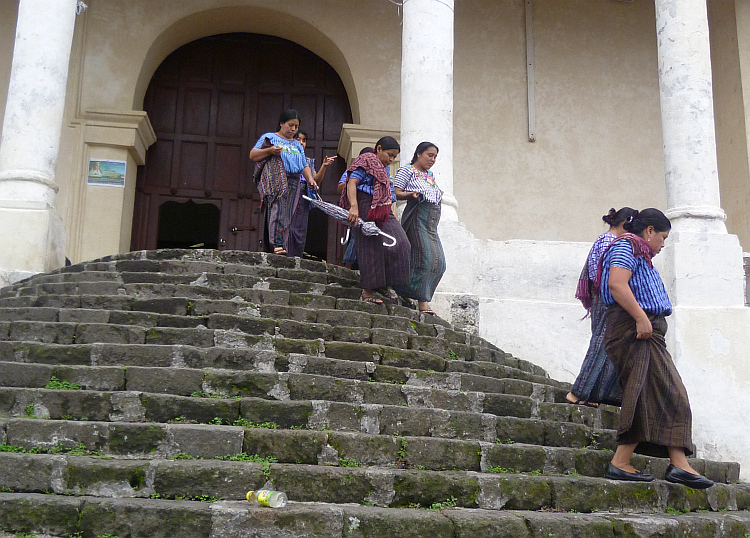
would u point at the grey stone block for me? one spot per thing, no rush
(363, 522)
(167, 407)
(83, 315)
(177, 381)
(247, 325)
(186, 337)
(33, 473)
(36, 513)
(205, 441)
(109, 334)
(146, 517)
(287, 446)
(352, 334)
(388, 337)
(48, 333)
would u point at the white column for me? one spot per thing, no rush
(703, 263)
(688, 116)
(427, 88)
(31, 231)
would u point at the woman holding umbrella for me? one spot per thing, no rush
(416, 183)
(280, 206)
(368, 195)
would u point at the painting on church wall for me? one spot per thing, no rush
(107, 173)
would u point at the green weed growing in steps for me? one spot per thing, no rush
(204, 394)
(265, 463)
(79, 450)
(501, 470)
(56, 384)
(30, 411)
(452, 355)
(343, 462)
(450, 502)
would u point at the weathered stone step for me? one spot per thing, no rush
(325, 448)
(155, 518)
(300, 386)
(80, 405)
(233, 350)
(392, 488)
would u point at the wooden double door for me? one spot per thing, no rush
(209, 102)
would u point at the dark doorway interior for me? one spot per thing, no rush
(186, 225)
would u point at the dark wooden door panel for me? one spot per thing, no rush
(209, 102)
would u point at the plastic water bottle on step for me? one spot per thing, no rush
(267, 497)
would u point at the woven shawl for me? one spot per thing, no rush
(270, 176)
(380, 209)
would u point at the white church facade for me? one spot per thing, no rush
(126, 125)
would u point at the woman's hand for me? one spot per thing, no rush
(312, 184)
(414, 195)
(328, 161)
(643, 329)
(276, 150)
(353, 215)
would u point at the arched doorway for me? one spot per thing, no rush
(208, 102)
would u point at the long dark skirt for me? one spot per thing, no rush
(420, 221)
(597, 381)
(381, 266)
(655, 408)
(278, 215)
(295, 245)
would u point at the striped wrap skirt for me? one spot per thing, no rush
(420, 221)
(297, 237)
(381, 266)
(279, 213)
(597, 380)
(655, 409)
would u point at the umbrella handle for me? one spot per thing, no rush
(344, 240)
(393, 239)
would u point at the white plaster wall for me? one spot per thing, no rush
(599, 140)
(8, 17)
(710, 347)
(526, 294)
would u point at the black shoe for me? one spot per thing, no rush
(613, 473)
(680, 476)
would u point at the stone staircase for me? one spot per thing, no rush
(142, 395)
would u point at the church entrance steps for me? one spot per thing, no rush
(156, 518)
(386, 487)
(135, 385)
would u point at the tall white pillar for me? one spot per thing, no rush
(688, 116)
(427, 88)
(31, 232)
(702, 264)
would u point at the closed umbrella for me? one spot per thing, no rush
(339, 213)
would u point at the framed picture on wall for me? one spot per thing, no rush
(107, 173)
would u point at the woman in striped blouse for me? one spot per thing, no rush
(416, 183)
(655, 413)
